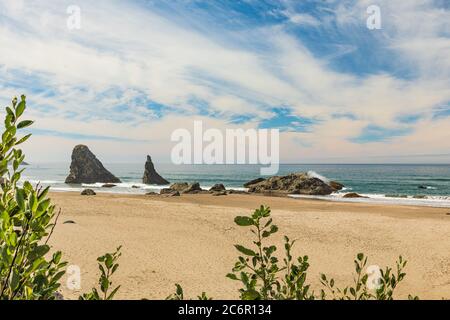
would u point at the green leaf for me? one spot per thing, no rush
(38, 251)
(265, 234)
(14, 280)
(24, 124)
(250, 295)
(104, 284)
(243, 221)
(179, 290)
(113, 293)
(244, 250)
(20, 198)
(43, 193)
(20, 108)
(9, 111)
(232, 276)
(58, 276)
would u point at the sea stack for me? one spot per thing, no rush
(294, 183)
(150, 174)
(86, 168)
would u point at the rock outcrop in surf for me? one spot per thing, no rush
(184, 188)
(150, 174)
(86, 168)
(294, 183)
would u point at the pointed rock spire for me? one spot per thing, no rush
(150, 174)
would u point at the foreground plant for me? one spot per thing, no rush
(264, 278)
(371, 284)
(26, 216)
(258, 268)
(27, 219)
(108, 266)
(179, 294)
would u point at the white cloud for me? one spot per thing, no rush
(124, 53)
(302, 19)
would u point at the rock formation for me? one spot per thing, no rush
(150, 174)
(353, 195)
(218, 187)
(109, 185)
(255, 181)
(336, 185)
(183, 187)
(86, 168)
(179, 186)
(88, 192)
(231, 191)
(193, 188)
(294, 183)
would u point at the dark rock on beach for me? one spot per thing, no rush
(336, 185)
(252, 182)
(237, 192)
(219, 193)
(86, 168)
(166, 191)
(150, 174)
(193, 188)
(218, 187)
(169, 192)
(294, 183)
(184, 187)
(179, 186)
(109, 185)
(88, 192)
(353, 195)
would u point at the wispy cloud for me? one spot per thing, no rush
(135, 67)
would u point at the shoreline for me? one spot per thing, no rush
(189, 240)
(435, 202)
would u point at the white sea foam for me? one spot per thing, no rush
(43, 181)
(313, 174)
(430, 201)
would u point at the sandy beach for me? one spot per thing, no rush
(189, 240)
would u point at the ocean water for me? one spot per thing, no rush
(377, 181)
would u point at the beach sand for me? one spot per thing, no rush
(189, 240)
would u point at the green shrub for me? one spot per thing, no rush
(27, 219)
(258, 269)
(179, 294)
(263, 278)
(26, 216)
(108, 266)
(383, 289)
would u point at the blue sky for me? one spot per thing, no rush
(137, 70)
